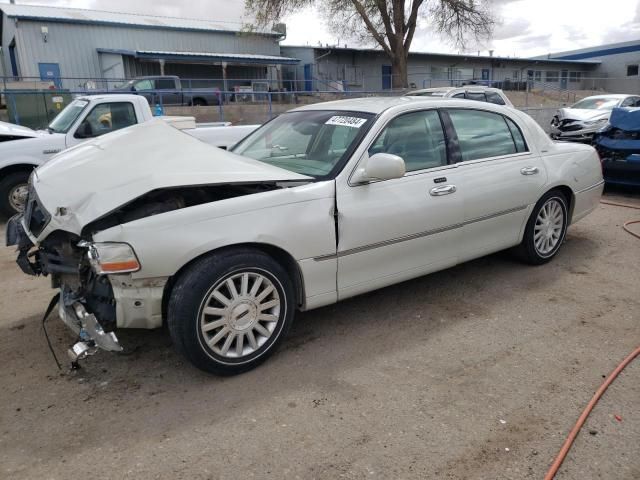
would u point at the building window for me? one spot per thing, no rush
(538, 76)
(575, 77)
(551, 76)
(516, 75)
(632, 70)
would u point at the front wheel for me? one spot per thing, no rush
(13, 193)
(546, 229)
(228, 312)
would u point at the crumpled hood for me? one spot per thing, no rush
(627, 119)
(582, 114)
(12, 130)
(96, 177)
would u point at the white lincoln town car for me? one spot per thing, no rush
(149, 225)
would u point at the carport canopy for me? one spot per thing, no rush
(229, 58)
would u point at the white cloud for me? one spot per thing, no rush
(527, 27)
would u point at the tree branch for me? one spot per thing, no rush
(372, 29)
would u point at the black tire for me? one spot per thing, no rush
(199, 102)
(192, 293)
(527, 250)
(7, 186)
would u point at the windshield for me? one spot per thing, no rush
(63, 121)
(312, 143)
(600, 103)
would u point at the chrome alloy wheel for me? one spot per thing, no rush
(547, 232)
(18, 197)
(239, 314)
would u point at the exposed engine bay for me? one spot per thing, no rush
(87, 303)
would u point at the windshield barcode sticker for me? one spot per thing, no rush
(354, 122)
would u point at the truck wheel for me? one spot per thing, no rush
(228, 312)
(199, 102)
(13, 193)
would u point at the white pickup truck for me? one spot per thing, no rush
(23, 149)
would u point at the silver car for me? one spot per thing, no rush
(582, 120)
(468, 92)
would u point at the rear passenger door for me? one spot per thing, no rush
(500, 175)
(167, 91)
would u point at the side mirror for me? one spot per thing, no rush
(84, 130)
(380, 166)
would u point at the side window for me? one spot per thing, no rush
(143, 85)
(493, 97)
(630, 102)
(516, 133)
(105, 118)
(482, 134)
(417, 137)
(458, 95)
(478, 96)
(165, 84)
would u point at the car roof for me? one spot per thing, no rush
(612, 95)
(378, 105)
(450, 89)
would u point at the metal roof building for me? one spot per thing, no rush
(52, 43)
(322, 67)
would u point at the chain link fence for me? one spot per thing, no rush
(34, 102)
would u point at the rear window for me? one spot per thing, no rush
(478, 96)
(493, 97)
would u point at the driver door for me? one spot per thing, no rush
(394, 230)
(103, 118)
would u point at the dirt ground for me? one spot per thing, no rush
(476, 372)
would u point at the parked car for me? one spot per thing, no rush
(618, 145)
(583, 119)
(322, 203)
(468, 92)
(85, 118)
(169, 90)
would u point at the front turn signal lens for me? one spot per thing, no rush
(106, 258)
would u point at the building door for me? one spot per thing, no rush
(50, 71)
(13, 59)
(563, 79)
(386, 77)
(308, 77)
(485, 74)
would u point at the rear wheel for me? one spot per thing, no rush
(228, 312)
(546, 229)
(13, 192)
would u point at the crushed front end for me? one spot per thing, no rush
(575, 130)
(618, 145)
(86, 302)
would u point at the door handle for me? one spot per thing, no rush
(442, 190)
(529, 170)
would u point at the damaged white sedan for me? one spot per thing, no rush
(149, 225)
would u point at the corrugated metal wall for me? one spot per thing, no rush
(424, 70)
(73, 47)
(8, 32)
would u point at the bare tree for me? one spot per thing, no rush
(389, 23)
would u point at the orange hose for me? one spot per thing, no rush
(626, 224)
(574, 431)
(555, 466)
